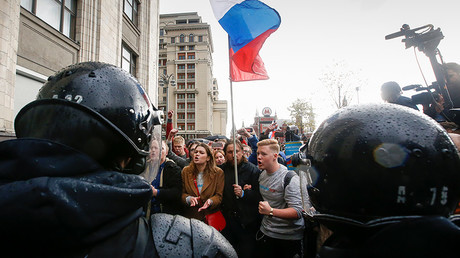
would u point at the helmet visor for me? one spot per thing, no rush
(154, 157)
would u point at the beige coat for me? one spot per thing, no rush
(213, 188)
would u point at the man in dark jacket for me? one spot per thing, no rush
(391, 93)
(167, 185)
(240, 201)
(69, 185)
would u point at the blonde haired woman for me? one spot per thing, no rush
(219, 156)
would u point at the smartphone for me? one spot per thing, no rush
(249, 129)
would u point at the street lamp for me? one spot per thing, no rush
(357, 93)
(164, 81)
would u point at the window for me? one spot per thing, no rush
(161, 41)
(181, 66)
(180, 105)
(181, 126)
(191, 66)
(191, 116)
(191, 38)
(181, 56)
(173, 40)
(180, 96)
(162, 32)
(190, 75)
(181, 76)
(190, 105)
(193, 21)
(191, 47)
(200, 38)
(162, 62)
(60, 15)
(191, 56)
(182, 38)
(181, 21)
(165, 90)
(191, 95)
(190, 85)
(165, 71)
(180, 116)
(130, 10)
(182, 48)
(128, 60)
(190, 127)
(164, 99)
(181, 86)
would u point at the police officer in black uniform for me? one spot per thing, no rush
(385, 180)
(69, 185)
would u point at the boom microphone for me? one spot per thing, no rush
(412, 86)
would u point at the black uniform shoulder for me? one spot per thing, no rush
(420, 237)
(177, 236)
(248, 166)
(171, 165)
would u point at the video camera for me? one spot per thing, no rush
(427, 42)
(424, 98)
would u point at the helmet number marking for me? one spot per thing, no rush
(434, 193)
(401, 194)
(433, 196)
(444, 195)
(77, 99)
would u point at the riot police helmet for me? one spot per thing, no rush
(382, 160)
(96, 108)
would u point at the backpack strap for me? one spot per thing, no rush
(287, 178)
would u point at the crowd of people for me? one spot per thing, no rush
(263, 214)
(384, 181)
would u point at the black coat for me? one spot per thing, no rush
(58, 202)
(244, 210)
(171, 191)
(55, 200)
(426, 236)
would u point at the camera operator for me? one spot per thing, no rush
(391, 93)
(453, 82)
(291, 133)
(436, 109)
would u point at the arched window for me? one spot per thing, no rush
(191, 38)
(182, 38)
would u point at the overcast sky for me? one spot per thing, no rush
(315, 34)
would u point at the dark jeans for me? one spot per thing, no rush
(243, 239)
(273, 247)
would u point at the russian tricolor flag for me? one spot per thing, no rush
(248, 24)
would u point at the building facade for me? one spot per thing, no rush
(187, 85)
(39, 37)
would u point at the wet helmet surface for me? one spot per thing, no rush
(373, 161)
(95, 103)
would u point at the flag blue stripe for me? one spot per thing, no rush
(247, 20)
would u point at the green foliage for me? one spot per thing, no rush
(301, 111)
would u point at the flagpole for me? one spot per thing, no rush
(235, 164)
(234, 133)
